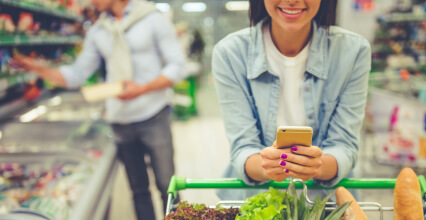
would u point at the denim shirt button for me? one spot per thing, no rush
(306, 76)
(311, 116)
(307, 89)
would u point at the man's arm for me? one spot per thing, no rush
(71, 76)
(50, 74)
(133, 90)
(170, 49)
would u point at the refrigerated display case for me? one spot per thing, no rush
(62, 131)
(65, 106)
(55, 163)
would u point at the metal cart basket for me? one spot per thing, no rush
(182, 183)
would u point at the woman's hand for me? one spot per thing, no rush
(298, 162)
(272, 162)
(303, 163)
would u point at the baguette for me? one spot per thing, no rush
(354, 212)
(407, 201)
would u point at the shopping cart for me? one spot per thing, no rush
(182, 183)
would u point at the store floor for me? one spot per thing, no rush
(202, 151)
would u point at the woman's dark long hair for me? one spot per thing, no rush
(326, 15)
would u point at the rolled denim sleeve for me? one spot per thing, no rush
(170, 48)
(237, 110)
(86, 64)
(343, 135)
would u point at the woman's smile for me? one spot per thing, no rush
(292, 13)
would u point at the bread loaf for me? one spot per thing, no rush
(354, 212)
(407, 201)
(101, 91)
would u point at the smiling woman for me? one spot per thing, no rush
(291, 68)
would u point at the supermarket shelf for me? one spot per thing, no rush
(401, 17)
(31, 6)
(9, 79)
(22, 78)
(13, 80)
(38, 40)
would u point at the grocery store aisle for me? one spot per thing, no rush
(201, 151)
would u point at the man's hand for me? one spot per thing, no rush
(132, 90)
(30, 65)
(27, 63)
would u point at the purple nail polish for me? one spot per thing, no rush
(284, 156)
(294, 148)
(283, 163)
(286, 170)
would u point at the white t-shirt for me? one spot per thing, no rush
(290, 70)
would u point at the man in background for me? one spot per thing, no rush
(140, 50)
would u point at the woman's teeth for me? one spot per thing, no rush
(292, 12)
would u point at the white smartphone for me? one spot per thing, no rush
(287, 136)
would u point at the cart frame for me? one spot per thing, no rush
(182, 183)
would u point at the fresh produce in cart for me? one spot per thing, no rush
(286, 205)
(271, 205)
(188, 211)
(409, 199)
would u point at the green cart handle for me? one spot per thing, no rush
(181, 183)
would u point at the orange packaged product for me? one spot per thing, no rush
(26, 22)
(6, 23)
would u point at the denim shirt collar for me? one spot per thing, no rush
(317, 60)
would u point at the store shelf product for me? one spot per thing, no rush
(34, 7)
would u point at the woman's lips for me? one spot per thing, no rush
(292, 13)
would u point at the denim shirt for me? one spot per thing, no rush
(334, 94)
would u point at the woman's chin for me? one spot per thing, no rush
(292, 28)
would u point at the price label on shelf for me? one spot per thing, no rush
(51, 207)
(37, 40)
(11, 81)
(17, 40)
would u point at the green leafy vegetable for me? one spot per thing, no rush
(271, 205)
(275, 204)
(298, 209)
(267, 205)
(338, 212)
